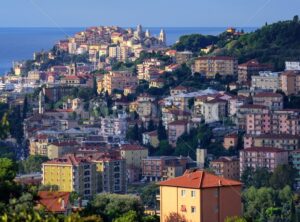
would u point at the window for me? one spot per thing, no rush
(193, 193)
(193, 210)
(183, 193)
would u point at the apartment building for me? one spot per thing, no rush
(176, 129)
(60, 148)
(262, 157)
(294, 158)
(183, 57)
(120, 53)
(276, 122)
(117, 81)
(71, 173)
(151, 138)
(227, 167)
(199, 196)
(290, 82)
(212, 65)
(266, 80)
(292, 66)
(214, 110)
(274, 101)
(114, 128)
(247, 109)
(251, 68)
(156, 168)
(282, 141)
(111, 174)
(133, 155)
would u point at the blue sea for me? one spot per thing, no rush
(20, 43)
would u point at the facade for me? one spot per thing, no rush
(199, 196)
(230, 141)
(155, 168)
(183, 57)
(276, 122)
(71, 173)
(114, 128)
(111, 174)
(290, 82)
(292, 65)
(227, 167)
(262, 157)
(222, 65)
(274, 101)
(250, 68)
(214, 110)
(118, 81)
(295, 162)
(266, 80)
(248, 109)
(177, 129)
(282, 141)
(133, 155)
(59, 149)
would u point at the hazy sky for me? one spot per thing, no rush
(161, 13)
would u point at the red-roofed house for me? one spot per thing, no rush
(54, 202)
(199, 196)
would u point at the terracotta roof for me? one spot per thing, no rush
(56, 202)
(216, 100)
(132, 147)
(69, 159)
(180, 88)
(199, 180)
(65, 143)
(264, 149)
(232, 135)
(152, 133)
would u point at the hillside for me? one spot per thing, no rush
(273, 44)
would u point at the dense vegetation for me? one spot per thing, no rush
(195, 42)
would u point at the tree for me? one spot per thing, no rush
(130, 216)
(235, 219)
(283, 175)
(172, 217)
(161, 131)
(148, 195)
(32, 164)
(4, 127)
(164, 148)
(112, 206)
(95, 88)
(7, 170)
(25, 107)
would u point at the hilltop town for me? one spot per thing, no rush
(115, 115)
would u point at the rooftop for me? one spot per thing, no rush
(56, 202)
(199, 180)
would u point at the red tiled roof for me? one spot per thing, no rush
(199, 180)
(132, 147)
(225, 159)
(55, 202)
(65, 143)
(232, 135)
(69, 159)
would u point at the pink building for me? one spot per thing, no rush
(277, 122)
(176, 129)
(262, 157)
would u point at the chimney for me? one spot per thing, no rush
(220, 183)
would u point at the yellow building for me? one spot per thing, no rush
(71, 173)
(198, 196)
(210, 66)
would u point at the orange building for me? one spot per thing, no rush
(198, 196)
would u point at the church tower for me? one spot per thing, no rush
(147, 34)
(162, 37)
(41, 102)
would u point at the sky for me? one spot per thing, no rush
(150, 13)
